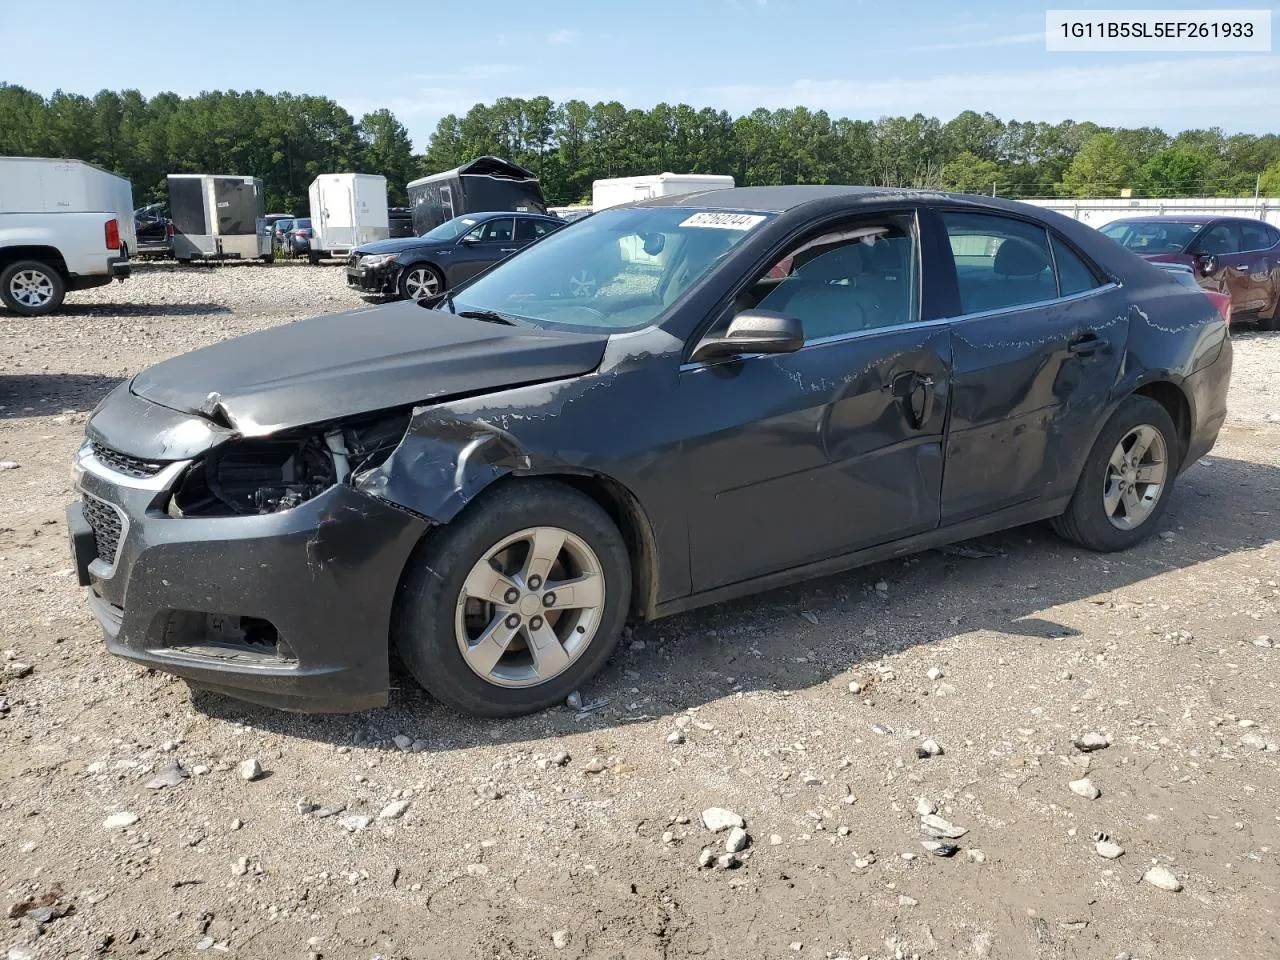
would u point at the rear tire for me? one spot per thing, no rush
(441, 625)
(1117, 502)
(32, 288)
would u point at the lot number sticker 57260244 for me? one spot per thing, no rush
(723, 221)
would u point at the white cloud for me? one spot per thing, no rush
(563, 38)
(1004, 41)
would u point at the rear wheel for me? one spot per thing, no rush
(517, 602)
(31, 288)
(1126, 482)
(420, 281)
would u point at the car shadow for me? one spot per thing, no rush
(48, 394)
(141, 309)
(836, 628)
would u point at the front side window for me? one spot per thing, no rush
(1223, 238)
(492, 231)
(1000, 262)
(527, 229)
(857, 276)
(615, 270)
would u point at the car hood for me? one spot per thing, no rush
(399, 245)
(359, 362)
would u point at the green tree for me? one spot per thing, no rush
(968, 173)
(1100, 169)
(1173, 172)
(1269, 184)
(387, 151)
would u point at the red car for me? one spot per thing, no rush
(1229, 255)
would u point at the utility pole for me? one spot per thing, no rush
(993, 189)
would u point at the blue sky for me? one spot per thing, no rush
(857, 58)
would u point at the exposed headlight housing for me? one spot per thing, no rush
(377, 259)
(262, 475)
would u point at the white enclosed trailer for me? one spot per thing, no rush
(218, 216)
(619, 190)
(347, 210)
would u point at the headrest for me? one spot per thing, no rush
(1017, 258)
(842, 263)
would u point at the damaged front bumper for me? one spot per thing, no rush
(289, 609)
(378, 279)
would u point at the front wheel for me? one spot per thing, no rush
(516, 603)
(1126, 482)
(31, 288)
(420, 281)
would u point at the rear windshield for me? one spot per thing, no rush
(1153, 236)
(616, 270)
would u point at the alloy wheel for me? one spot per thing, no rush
(31, 288)
(530, 607)
(1135, 478)
(421, 283)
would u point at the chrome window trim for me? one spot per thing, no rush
(914, 325)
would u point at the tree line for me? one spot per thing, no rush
(288, 139)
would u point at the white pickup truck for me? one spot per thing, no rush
(64, 225)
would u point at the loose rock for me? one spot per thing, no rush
(169, 776)
(675, 737)
(1092, 741)
(560, 939)
(925, 806)
(1163, 878)
(728, 861)
(354, 824)
(737, 840)
(936, 673)
(717, 819)
(17, 669)
(118, 820)
(929, 748)
(1085, 788)
(940, 849)
(249, 770)
(1108, 849)
(706, 857)
(393, 810)
(936, 826)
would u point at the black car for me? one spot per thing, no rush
(297, 239)
(154, 230)
(416, 268)
(773, 383)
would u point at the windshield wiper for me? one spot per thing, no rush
(488, 316)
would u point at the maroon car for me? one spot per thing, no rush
(1232, 255)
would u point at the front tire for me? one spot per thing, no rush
(420, 281)
(31, 288)
(516, 603)
(1125, 486)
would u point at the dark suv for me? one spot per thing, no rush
(1231, 255)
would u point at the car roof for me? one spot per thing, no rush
(777, 199)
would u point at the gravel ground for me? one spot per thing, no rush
(802, 711)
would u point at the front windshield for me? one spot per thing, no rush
(616, 270)
(1153, 236)
(450, 229)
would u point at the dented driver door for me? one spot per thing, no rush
(835, 447)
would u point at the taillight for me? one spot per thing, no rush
(113, 234)
(1223, 302)
(168, 231)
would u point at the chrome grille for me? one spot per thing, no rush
(125, 464)
(106, 525)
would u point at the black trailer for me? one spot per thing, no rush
(484, 184)
(217, 216)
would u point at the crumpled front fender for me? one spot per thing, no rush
(442, 463)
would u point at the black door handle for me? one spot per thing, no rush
(904, 387)
(1086, 345)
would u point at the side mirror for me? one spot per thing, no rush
(1207, 263)
(753, 331)
(469, 241)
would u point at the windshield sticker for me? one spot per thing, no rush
(724, 221)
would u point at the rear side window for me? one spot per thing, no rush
(1255, 236)
(1074, 275)
(1000, 262)
(531, 229)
